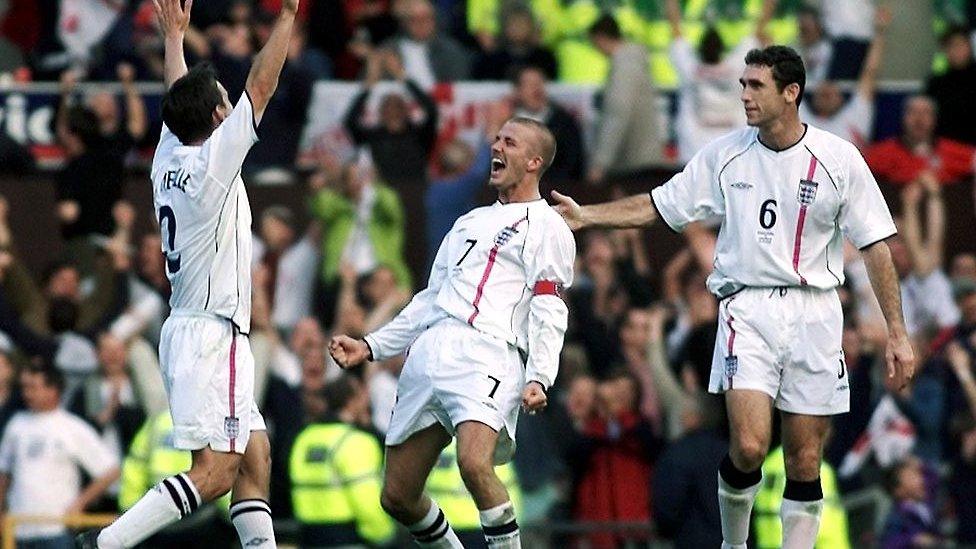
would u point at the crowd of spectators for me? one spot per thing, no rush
(630, 435)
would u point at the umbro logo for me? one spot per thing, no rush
(741, 185)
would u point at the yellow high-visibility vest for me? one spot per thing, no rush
(446, 487)
(765, 513)
(336, 474)
(152, 458)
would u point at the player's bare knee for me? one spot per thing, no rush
(476, 469)
(749, 452)
(803, 463)
(397, 504)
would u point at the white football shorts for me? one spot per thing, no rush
(454, 373)
(208, 371)
(785, 342)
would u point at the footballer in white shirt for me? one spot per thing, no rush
(484, 338)
(786, 195)
(205, 223)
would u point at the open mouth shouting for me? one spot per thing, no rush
(497, 166)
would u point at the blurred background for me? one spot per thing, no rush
(376, 140)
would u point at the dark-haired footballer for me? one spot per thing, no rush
(205, 223)
(786, 194)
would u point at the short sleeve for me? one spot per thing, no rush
(230, 142)
(8, 446)
(692, 194)
(88, 451)
(164, 149)
(864, 215)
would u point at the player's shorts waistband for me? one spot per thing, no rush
(191, 313)
(451, 321)
(781, 291)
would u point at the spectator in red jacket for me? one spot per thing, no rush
(901, 160)
(613, 460)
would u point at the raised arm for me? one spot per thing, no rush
(262, 81)
(673, 11)
(899, 354)
(867, 83)
(135, 110)
(173, 20)
(625, 213)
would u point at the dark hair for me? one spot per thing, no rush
(339, 392)
(547, 141)
(83, 122)
(52, 376)
(189, 104)
(892, 477)
(712, 47)
(607, 26)
(952, 32)
(62, 315)
(786, 65)
(516, 71)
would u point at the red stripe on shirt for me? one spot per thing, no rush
(798, 240)
(484, 277)
(731, 340)
(233, 378)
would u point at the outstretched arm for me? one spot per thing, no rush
(625, 213)
(263, 78)
(173, 19)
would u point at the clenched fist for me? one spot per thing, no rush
(349, 352)
(533, 397)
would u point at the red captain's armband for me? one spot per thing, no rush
(547, 287)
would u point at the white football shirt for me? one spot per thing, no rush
(205, 218)
(784, 214)
(499, 269)
(42, 453)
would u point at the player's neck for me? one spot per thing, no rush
(519, 193)
(782, 133)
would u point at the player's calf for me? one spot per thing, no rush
(214, 473)
(476, 445)
(250, 511)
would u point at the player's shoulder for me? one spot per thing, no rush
(480, 211)
(542, 210)
(832, 151)
(727, 147)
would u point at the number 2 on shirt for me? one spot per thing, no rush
(172, 258)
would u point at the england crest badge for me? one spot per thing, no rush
(807, 192)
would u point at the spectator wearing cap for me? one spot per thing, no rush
(952, 90)
(519, 47)
(901, 160)
(42, 453)
(532, 101)
(291, 265)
